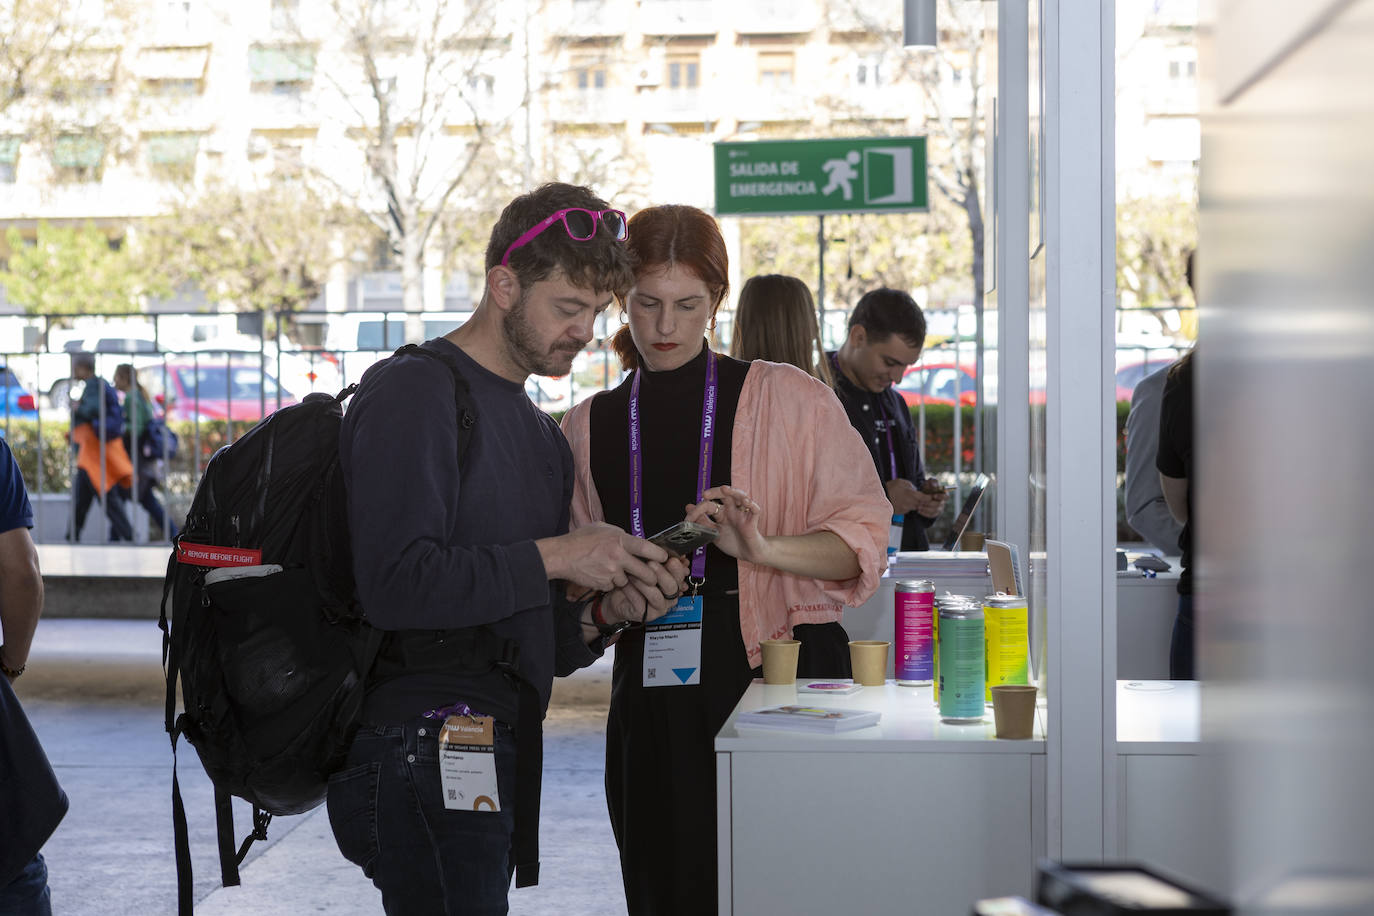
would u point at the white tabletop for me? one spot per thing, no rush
(1158, 717)
(910, 724)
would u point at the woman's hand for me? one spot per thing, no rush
(731, 512)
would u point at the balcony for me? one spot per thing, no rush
(589, 106)
(590, 18)
(756, 103)
(283, 110)
(674, 106)
(775, 17)
(865, 16)
(677, 17)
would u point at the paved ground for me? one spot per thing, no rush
(93, 694)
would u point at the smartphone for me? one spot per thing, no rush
(683, 538)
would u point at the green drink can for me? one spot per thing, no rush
(962, 668)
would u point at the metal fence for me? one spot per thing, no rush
(210, 391)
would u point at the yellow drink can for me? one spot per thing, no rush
(1006, 639)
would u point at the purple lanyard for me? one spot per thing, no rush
(708, 436)
(887, 421)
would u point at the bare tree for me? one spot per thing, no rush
(60, 80)
(415, 83)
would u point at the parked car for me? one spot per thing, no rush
(1130, 375)
(16, 402)
(214, 389)
(939, 383)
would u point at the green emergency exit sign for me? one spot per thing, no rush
(851, 175)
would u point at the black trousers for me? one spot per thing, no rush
(660, 758)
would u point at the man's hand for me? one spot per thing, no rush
(903, 495)
(602, 557)
(930, 505)
(638, 602)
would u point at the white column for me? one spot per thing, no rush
(1080, 485)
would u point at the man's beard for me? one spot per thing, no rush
(526, 348)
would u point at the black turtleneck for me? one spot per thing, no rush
(670, 421)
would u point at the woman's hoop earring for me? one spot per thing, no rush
(711, 325)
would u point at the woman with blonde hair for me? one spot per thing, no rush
(775, 320)
(761, 452)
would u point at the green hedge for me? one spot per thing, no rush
(939, 442)
(196, 447)
(183, 472)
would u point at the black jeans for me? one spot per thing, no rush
(120, 528)
(386, 808)
(162, 528)
(27, 894)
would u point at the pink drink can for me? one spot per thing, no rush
(913, 616)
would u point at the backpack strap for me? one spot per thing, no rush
(462, 394)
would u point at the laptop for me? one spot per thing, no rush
(980, 484)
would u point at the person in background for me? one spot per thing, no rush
(886, 334)
(1146, 509)
(762, 452)
(1175, 464)
(775, 319)
(102, 464)
(138, 410)
(31, 804)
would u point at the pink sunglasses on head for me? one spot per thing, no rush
(579, 223)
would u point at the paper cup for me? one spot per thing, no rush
(780, 660)
(868, 658)
(1013, 710)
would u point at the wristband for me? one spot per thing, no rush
(608, 631)
(9, 672)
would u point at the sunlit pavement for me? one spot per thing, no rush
(94, 693)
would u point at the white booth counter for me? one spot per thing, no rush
(911, 815)
(1145, 611)
(1169, 800)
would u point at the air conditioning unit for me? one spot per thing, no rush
(650, 72)
(649, 75)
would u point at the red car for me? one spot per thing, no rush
(214, 390)
(939, 383)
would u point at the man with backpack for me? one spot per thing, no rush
(438, 798)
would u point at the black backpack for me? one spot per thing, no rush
(266, 632)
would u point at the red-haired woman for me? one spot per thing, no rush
(761, 451)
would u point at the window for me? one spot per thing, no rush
(288, 160)
(281, 70)
(176, 15)
(481, 86)
(589, 75)
(776, 69)
(868, 71)
(9, 159)
(172, 155)
(78, 157)
(286, 15)
(684, 72)
(1183, 66)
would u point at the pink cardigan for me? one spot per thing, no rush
(794, 451)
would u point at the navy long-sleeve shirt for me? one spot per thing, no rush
(438, 547)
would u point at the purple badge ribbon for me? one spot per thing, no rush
(708, 436)
(457, 709)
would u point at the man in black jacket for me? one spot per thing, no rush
(886, 334)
